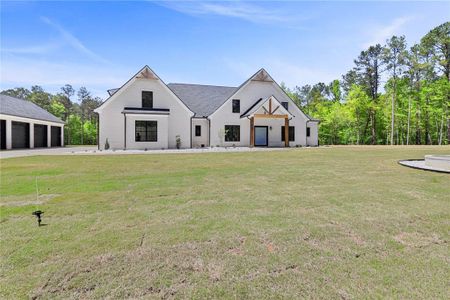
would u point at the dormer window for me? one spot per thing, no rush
(236, 106)
(147, 99)
(285, 105)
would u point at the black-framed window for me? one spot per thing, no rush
(146, 131)
(285, 105)
(291, 133)
(236, 106)
(308, 131)
(147, 99)
(232, 133)
(198, 130)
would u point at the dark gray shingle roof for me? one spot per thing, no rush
(26, 109)
(112, 91)
(203, 100)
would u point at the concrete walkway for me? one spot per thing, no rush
(92, 150)
(422, 165)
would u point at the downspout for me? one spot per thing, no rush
(209, 131)
(191, 131)
(98, 131)
(125, 131)
(306, 132)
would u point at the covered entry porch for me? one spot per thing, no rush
(267, 117)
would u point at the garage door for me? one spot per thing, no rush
(56, 136)
(20, 135)
(40, 135)
(3, 134)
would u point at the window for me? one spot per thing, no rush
(308, 131)
(285, 105)
(146, 131)
(147, 99)
(232, 133)
(291, 133)
(198, 130)
(236, 105)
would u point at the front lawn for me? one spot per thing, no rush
(329, 222)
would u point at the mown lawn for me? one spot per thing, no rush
(337, 222)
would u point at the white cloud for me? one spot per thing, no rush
(37, 49)
(380, 34)
(74, 42)
(20, 71)
(245, 11)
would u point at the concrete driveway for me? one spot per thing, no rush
(45, 151)
(92, 150)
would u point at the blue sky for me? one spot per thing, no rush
(102, 44)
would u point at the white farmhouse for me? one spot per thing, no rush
(146, 113)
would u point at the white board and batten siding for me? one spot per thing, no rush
(185, 115)
(112, 123)
(248, 95)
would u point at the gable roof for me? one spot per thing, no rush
(144, 73)
(263, 76)
(203, 100)
(26, 109)
(261, 102)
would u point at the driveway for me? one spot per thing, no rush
(92, 150)
(45, 151)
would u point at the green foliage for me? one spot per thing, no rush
(81, 121)
(57, 109)
(413, 108)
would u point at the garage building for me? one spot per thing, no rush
(23, 125)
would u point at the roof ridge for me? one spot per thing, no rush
(202, 84)
(30, 102)
(11, 106)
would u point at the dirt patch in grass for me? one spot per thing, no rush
(418, 240)
(14, 201)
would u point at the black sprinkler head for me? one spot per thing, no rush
(38, 214)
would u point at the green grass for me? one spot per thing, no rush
(338, 222)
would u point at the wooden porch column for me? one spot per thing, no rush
(286, 132)
(252, 132)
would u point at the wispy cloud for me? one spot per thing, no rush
(380, 34)
(72, 41)
(37, 49)
(245, 11)
(27, 71)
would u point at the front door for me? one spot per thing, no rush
(261, 136)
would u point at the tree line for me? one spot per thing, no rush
(75, 108)
(393, 95)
